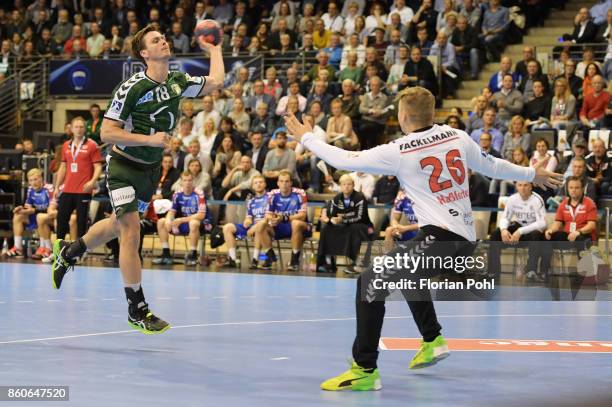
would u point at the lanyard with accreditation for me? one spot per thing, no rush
(74, 151)
(573, 212)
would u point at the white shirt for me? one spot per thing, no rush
(364, 184)
(431, 166)
(334, 24)
(405, 13)
(530, 213)
(200, 118)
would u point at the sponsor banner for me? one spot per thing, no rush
(504, 345)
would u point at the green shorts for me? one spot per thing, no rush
(130, 184)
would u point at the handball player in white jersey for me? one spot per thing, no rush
(431, 163)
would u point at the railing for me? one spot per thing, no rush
(23, 95)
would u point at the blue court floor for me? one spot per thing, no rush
(269, 340)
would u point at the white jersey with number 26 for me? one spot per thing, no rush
(432, 167)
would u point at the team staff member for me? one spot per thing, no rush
(431, 163)
(574, 223)
(79, 171)
(524, 219)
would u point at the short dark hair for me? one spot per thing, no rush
(138, 43)
(575, 178)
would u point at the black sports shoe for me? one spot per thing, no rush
(147, 323)
(231, 263)
(191, 259)
(254, 264)
(270, 259)
(61, 265)
(294, 265)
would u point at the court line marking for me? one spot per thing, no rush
(294, 321)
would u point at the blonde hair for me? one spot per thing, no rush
(515, 119)
(419, 105)
(346, 177)
(33, 172)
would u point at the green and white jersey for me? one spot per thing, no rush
(145, 106)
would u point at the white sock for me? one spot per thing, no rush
(165, 245)
(46, 243)
(18, 242)
(295, 251)
(134, 287)
(232, 253)
(256, 254)
(192, 248)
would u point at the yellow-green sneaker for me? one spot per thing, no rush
(430, 353)
(356, 378)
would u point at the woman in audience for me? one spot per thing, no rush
(284, 12)
(308, 14)
(219, 100)
(516, 136)
(319, 116)
(272, 85)
(240, 117)
(519, 157)
(201, 179)
(591, 70)
(376, 19)
(208, 135)
(563, 106)
(542, 153)
(361, 30)
(454, 121)
(340, 128)
(262, 33)
(226, 159)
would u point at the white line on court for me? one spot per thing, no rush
(53, 300)
(109, 299)
(25, 301)
(192, 298)
(296, 321)
(280, 358)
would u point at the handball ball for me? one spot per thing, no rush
(210, 30)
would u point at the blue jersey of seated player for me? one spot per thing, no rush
(403, 205)
(256, 208)
(185, 205)
(287, 205)
(39, 200)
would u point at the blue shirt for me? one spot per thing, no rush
(257, 207)
(288, 205)
(186, 205)
(448, 57)
(39, 199)
(497, 137)
(403, 205)
(496, 20)
(335, 56)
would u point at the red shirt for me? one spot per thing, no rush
(79, 172)
(581, 214)
(595, 107)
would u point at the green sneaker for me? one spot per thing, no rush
(61, 265)
(356, 379)
(149, 324)
(430, 353)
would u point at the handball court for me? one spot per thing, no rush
(241, 339)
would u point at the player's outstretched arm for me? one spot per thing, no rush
(379, 160)
(112, 132)
(216, 75)
(498, 168)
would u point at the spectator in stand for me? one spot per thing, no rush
(475, 117)
(208, 111)
(465, 40)
(180, 42)
(537, 109)
(107, 50)
(426, 17)
(227, 157)
(563, 106)
(376, 19)
(521, 66)
(584, 29)
(201, 179)
(196, 153)
(242, 17)
(350, 100)
(294, 92)
(418, 72)
(353, 46)
(595, 104)
(605, 28)
(188, 216)
(406, 13)
(591, 71)
(340, 128)
(76, 37)
(505, 66)
(488, 121)
(575, 223)
(95, 41)
(578, 168)
(93, 125)
(208, 136)
(240, 117)
(364, 183)
(472, 11)
(385, 189)
(263, 122)
(77, 52)
(486, 145)
(558, 68)
(323, 64)
(395, 23)
(38, 199)
(396, 231)
(449, 68)
(169, 175)
(237, 183)
(373, 109)
(321, 37)
(508, 100)
(319, 93)
(332, 19)
(62, 30)
(526, 84)
(391, 55)
(397, 70)
(177, 153)
(447, 10)
(45, 46)
(588, 57)
(344, 225)
(495, 23)
(79, 172)
(422, 41)
(183, 131)
(519, 157)
(517, 136)
(352, 70)
(272, 85)
(277, 159)
(455, 122)
(599, 168)
(258, 151)
(573, 80)
(223, 12)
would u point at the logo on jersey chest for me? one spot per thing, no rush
(146, 98)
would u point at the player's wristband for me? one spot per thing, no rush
(285, 218)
